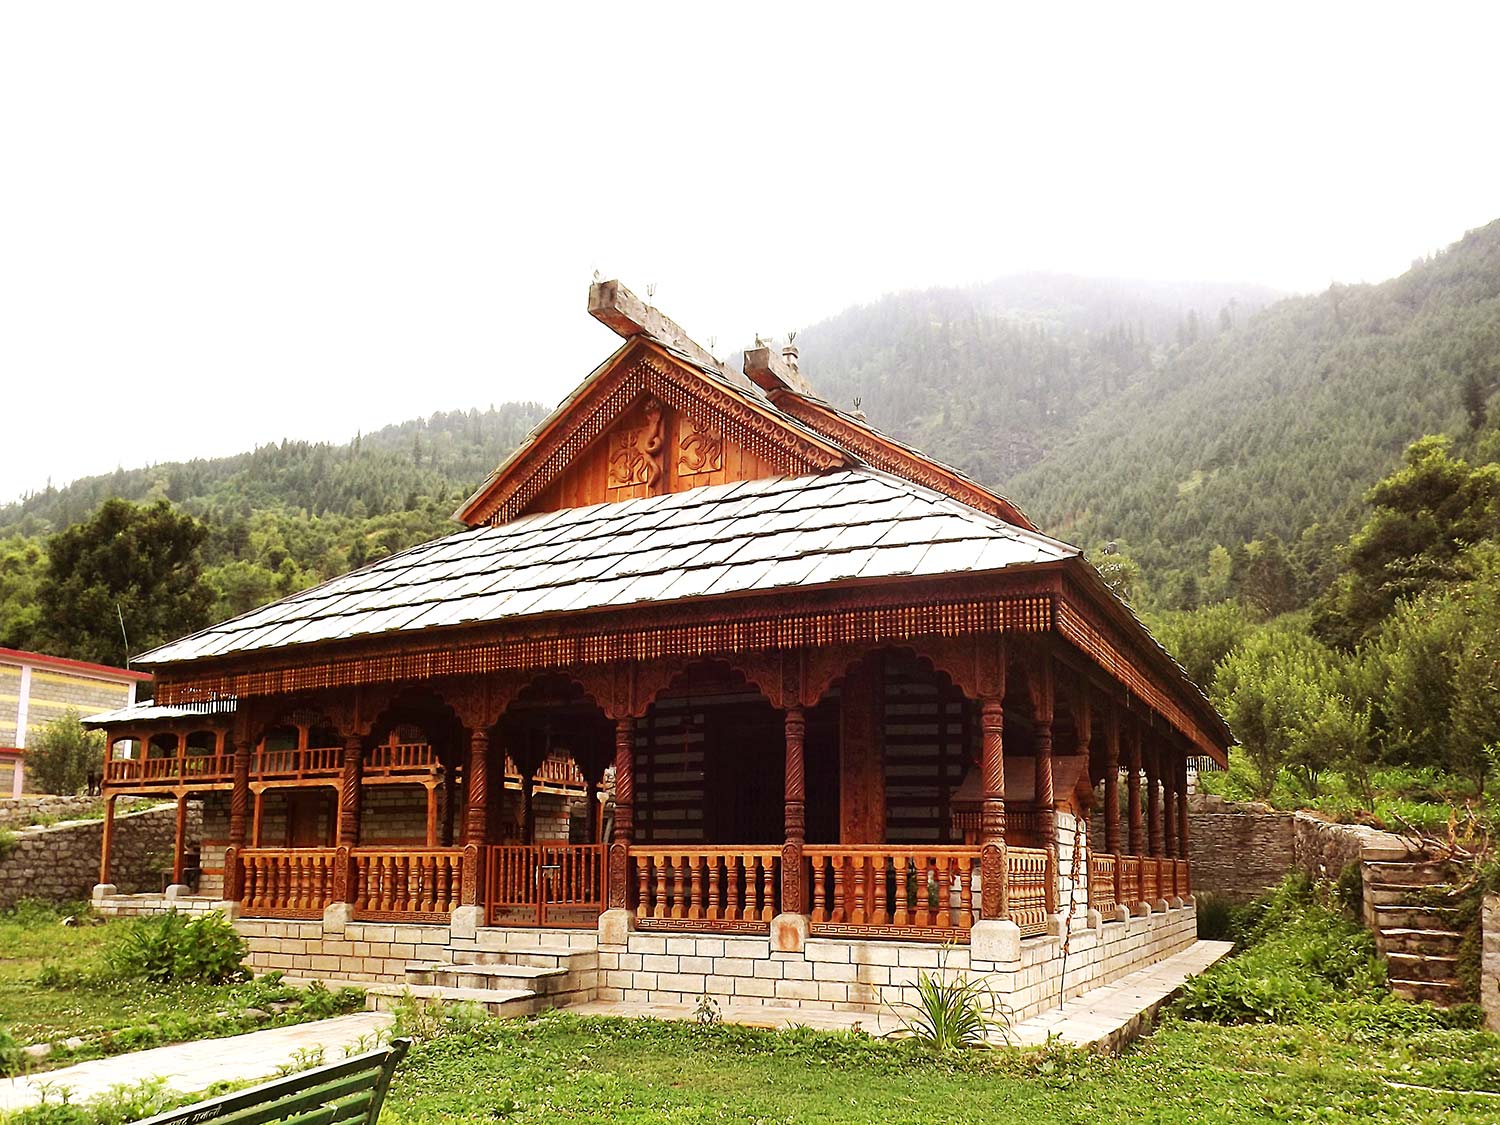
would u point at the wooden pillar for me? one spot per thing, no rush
(1169, 803)
(239, 797)
(351, 792)
(432, 813)
(793, 900)
(528, 806)
(1046, 801)
(108, 840)
(1133, 797)
(1184, 849)
(1153, 801)
(994, 898)
(862, 754)
(1112, 784)
(257, 805)
(476, 815)
(624, 829)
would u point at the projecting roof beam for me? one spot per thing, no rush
(770, 371)
(628, 316)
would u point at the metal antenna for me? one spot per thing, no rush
(120, 614)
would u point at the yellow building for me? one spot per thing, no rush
(36, 688)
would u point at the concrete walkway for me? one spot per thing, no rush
(190, 1067)
(1105, 1018)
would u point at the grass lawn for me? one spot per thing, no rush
(563, 1068)
(51, 989)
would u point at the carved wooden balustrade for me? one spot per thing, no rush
(187, 769)
(316, 761)
(402, 757)
(422, 884)
(288, 882)
(1032, 890)
(1150, 879)
(1102, 870)
(1128, 889)
(1183, 882)
(887, 890)
(709, 889)
(545, 884)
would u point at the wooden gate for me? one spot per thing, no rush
(545, 885)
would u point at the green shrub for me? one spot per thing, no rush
(951, 1012)
(321, 1001)
(7, 842)
(1216, 918)
(169, 947)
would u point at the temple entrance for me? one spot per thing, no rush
(545, 885)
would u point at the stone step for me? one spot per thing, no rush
(1422, 966)
(538, 957)
(542, 980)
(1422, 873)
(495, 1002)
(1440, 942)
(1441, 993)
(504, 940)
(1392, 917)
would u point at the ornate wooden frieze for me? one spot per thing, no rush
(651, 373)
(700, 448)
(851, 618)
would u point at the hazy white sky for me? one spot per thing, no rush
(225, 224)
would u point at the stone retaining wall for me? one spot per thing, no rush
(848, 974)
(19, 812)
(60, 863)
(1241, 850)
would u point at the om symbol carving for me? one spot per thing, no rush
(635, 451)
(700, 449)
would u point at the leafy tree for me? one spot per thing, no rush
(21, 564)
(137, 563)
(1120, 572)
(63, 755)
(1262, 575)
(1201, 639)
(1425, 514)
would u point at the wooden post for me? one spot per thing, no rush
(1184, 849)
(476, 814)
(1133, 779)
(994, 899)
(179, 840)
(1112, 784)
(351, 792)
(432, 813)
(624, 829)
(1169, 804)
(257, 806)
(239, 821)
(1153, 802)
(108, 840)
(1046, 802)
(528, 806)
(795, 815)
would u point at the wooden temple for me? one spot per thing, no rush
(710, 656)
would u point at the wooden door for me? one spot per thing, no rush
(309, 820)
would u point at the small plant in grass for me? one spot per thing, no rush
(303, 1058)
(321, 1001)
(168, 947)
(7, 842)
(707, 1011)
(952, 1012)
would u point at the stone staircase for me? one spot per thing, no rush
(1417, 939)
(505, 974)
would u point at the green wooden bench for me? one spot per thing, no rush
(343, 1093)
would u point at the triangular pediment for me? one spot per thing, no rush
(645, 423)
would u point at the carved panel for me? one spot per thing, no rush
(700, 448)
(635, 451)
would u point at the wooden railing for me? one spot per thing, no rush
(708, 889)
(887, 890)
(401, 757)
(1151, 890)
(555, 772)
(420, 883)
(169, 771)
(1130, 881)
(288, 882)
(1030, 888)
(1183, 884)
(545, 884)
(310, 762)
(1102, 866)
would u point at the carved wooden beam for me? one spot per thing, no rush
(627, 316)
(770, 372)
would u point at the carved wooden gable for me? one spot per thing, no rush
(645, 426)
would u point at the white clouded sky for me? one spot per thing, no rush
(225, 224)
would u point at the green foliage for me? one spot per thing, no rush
(7, 842)
(171, 947)
(141, 564)
(64, 754)
(118, 1105)
(952, 1012)
(1201, 639)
